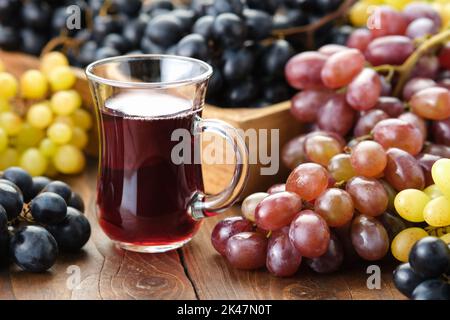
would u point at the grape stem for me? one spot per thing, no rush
(407, 67)
(311, 28)
(65, 41)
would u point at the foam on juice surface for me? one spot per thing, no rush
(147, 104)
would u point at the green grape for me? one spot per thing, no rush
(29, 136)
(51, 171)
(82, 118)
(64, 119)
(441, 175)
(8, 158)
(11, 123)
(404, 241)
(59, 133)
(8, 86)
(40, 115)
(52, 60)
(433, 191)
(340, 167)
(33, 85)
(391, 194)
(61, 78)
(437, 212)
(4, 105)
(33, 161)
(80, 138)
(3, 140)
(410, 204)
(69, 160)
(48, 148)
(446, 238)
(65, 102)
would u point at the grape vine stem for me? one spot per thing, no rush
(404, 70)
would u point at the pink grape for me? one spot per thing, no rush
(432, 103)
(336, 116)
(308, 180)
(367, 122)
(335, 206)
(247, 250)
(420, 28)
(368, 194)
(363, 92)
(309, 233)
(389, 22)
(342, 67)
(415, 85)
(283, 259)
(359, 39)
(305, 105)
(277, 210)
(369, 238)
(395, 133)
(416, 10)
(303, 70)
(391, 105)
(331, 260)
(403, 171)
(392, 50)
(330, 49)
(227, 228)
(416, 121)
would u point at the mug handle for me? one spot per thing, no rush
(204, 205)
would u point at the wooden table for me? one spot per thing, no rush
(193, 272)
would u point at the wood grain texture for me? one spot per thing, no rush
(106, 272)
(196, 271)
(214, 279)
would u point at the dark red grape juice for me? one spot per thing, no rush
(143, 195)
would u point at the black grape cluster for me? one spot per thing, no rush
(38, 219)
(426, 275)
(228, 34)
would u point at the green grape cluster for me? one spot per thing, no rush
(48, 136)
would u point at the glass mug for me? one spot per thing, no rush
(147, 201)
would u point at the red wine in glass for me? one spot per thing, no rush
(142, 195)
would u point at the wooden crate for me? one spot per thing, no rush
(216, 177)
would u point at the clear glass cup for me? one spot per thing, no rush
(150, 195)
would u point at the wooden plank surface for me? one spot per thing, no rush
(194, 272)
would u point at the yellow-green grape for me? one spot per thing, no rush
(48, 148)
(4, 105)
(80, 138)
(437, 212)
(3, 140)
(51, 171)
(33, 85)
(40, 115)
(65, 102)
(64, 119)
(33, 161)
(359, 13)
(29, 136)
(52, 60)
(8, 158)
(410, 203)
(59, 133)
(433, 191)
(61, 78)
(441, 175)
(82, 118)
(403, 242)
(446, 238)
(69, 160)
(8, 86)
(11, 123)
(397, 4)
